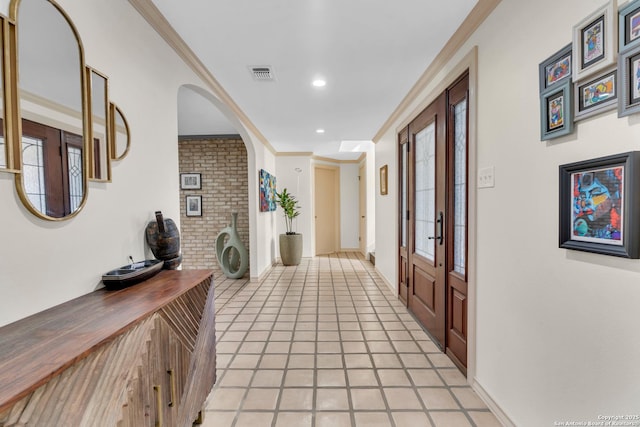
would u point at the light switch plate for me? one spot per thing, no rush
(486, 177)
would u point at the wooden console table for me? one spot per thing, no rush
(140, 356)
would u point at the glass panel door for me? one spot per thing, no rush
(404, 178)
(425, 192)
(460, 189)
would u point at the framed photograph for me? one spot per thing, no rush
(595, 41)
(629, 25)
(383, 180)
(629, 70)
(556, 106)
(267, 187)
(190, 181)
(194, 205)
(600, 205)
(597, 95)
(556, 68)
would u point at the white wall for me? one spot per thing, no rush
(298, 184)
(44, 263)
(557, 334)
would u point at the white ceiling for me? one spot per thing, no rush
(370, 52)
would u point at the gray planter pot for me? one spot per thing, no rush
(290, 248)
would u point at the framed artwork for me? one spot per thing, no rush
(383, 180)
(600, 204)
(267, 187)
(556, 68)
(194, 205)
(629, 25)
(556, 106)
(190, 181)
(596, 95)
(629, 69)
(595, 41)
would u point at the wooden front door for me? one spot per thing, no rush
(433, 209)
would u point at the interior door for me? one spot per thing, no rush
(327, 195)
(433, 167)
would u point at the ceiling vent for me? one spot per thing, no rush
(262, 73)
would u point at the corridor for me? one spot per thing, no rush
(327, 344)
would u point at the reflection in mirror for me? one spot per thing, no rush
(99, 129)
(121, 134)
(50, 63)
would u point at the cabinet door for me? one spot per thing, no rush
(154, 394)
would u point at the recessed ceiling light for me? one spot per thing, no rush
(319, 83)
(319, 130)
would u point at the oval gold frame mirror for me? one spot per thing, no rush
(53, 130)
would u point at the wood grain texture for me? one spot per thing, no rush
(63, 350)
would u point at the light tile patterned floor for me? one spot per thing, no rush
(327, 344)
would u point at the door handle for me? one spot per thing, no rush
(440, 222)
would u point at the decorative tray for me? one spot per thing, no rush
(131, 274)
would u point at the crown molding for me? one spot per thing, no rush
(294, 154)
(330, 160)
(471, 23)
(160, 24)
(232, 136)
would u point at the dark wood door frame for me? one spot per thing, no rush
(433, 290)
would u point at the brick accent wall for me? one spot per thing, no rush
(222, 164)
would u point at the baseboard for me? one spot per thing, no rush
(262, 275)
(491, 404)
(386, 282)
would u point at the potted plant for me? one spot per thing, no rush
(290, 242)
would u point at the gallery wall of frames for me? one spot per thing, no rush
(59, 127)
(597, 72)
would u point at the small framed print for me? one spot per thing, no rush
(629, 69)
(383, 180)
(597, 95)
(600, 205)
(556, 68)
(595, 41)
(556, 118)
(629, 25)
(190, 181)
(193, 205)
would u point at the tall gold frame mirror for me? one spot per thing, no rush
(4, 147)
(100, 129)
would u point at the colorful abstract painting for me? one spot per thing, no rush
(558, 70)
(556, 112)
(593, 43)
(598, 205)
(634, 29)
(267, 191)
(599, 91)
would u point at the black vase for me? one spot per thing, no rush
(163, 238)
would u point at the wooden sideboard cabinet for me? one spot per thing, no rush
(139, 356)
